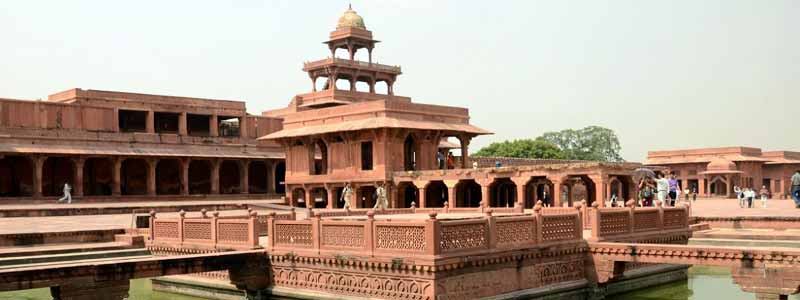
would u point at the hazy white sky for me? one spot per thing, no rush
(662, 74)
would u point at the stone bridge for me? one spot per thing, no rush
(770, 273)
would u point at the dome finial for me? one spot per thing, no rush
(349, 6)
(350, 19)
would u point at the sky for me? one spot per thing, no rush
(662, 74)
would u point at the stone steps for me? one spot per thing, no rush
(771, 244)
(71, 258)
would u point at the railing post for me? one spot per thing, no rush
(315, 236)
(595, 216)
(369, 233)
(537, 212)
(152, 225)
(271, 230)
(180, 226)
(214, 226)
(432, 234)
(632, 216)
(252, 227)
(660, 208)
(491, 230)
(585, 213)
(580, 210)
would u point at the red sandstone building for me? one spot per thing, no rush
(715, 171)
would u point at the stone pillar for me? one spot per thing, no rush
(150, 124)
(151, 176)
(243, 123)
(77, 186)
(185, 176)
(600, 183)
(465, 163)
(728, 183)
(38, 165)
(116, 182)
(421, 185)
(213, 127)
(701, 186)
(331, 196)
(215, 176)
(451, 192)
(309, 200)
(520, 182)
(556, 194)
(485, 193)
(270, 177)
(244, 177)
(183, 124)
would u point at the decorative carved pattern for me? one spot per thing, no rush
(353, 284)
(463, 236)
(293, 234)
(674, 218)
(560, 271)
(475, 285)
(645, 220)
(167, 230)
(232, 232)
(400, 237)
(197, 231)
(614, 222)
(514, 232)
(559, 228)
(343, 236)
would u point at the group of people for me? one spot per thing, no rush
(666, 190)
(445, 161)
(747, 195)
(381, 198)
(796, 188)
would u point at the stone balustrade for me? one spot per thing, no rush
(430, 238)
(205, 232)
(624, 222)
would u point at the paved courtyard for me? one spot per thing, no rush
(718, 207)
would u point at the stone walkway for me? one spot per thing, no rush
(717, 207)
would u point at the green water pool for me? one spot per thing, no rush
(704, 283)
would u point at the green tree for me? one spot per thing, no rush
(526, 148)
(591, 143)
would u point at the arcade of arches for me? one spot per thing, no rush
(44, 176)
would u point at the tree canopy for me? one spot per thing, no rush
(591, 143)
(525, 148)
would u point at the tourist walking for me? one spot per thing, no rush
(694, 194)
(662, 186)
(440, 159)
(347, 196)
(674, 189)
(646, 191)
(381, 202)
(764, 195)
(738, 191)
(687, 192)
(67, 194)
(796, 188)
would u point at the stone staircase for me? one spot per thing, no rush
(767, 238)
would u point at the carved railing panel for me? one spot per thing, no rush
(615, 221)
(210, 233)
(675, 217)
(515, 231)
(400, 237)
(293, 233)
(561, 227)
(645, 219)
(463, 235)
(347, 235)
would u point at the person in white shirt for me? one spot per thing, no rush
(662, 186)
(738, 191)
(67, 194)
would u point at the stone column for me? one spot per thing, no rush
(270, 177)
(215, 176)
(465, 163)
(600, 182)
(421, 185)
(556, 194)
(77, 186)
(701, 186)
(183, 124)
(243, 123)
(330, 189)
(185, 176)
(151, 176)
(451, 192)
(485, 193)
(38, 165)
(728, 183)
(150, 124)
(244, 177)
(213, 127)
(116, 185)
(309, 201)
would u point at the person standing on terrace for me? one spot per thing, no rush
(347, 196)
(646, 191)
(764, 195)
(674, 189)
(67, 194)
(662, 186)
(796, 188)
(381, 201)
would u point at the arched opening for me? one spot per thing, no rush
(410, 150)
(343, 84)
(584, 189)
(280, 178)
(257, 181)
(503, 193)
(229, 179)
(200, 177)
(468, 194)
(381, 87)
(168, 177)
(436, 194)
(620, 186)
(406, 194)
(342, 53)
(55, 172)
(719, 186)
(362, 85)
(320, 158)
(366, 196)
(299, 197)
(133, 176)
(98, 176)
(320, 197)
(16, 176)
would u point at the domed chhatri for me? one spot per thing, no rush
(350, 19)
